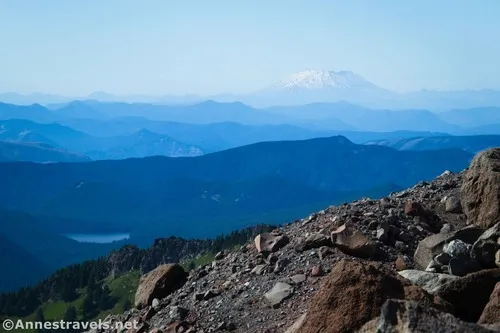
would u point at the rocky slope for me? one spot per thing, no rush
(337, 270)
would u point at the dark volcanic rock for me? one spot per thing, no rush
(469, 294)
(486, 247)
(481, 189)
(491, 312)
(398, 316)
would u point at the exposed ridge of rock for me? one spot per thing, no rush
(302, 258)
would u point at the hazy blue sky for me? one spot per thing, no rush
(211, 46)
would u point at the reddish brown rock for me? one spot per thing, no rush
(159, 283)
(491, 312)
(413, 208)
(317, 271)
(353, 294)
(400, 264)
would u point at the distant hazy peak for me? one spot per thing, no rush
(316, 79)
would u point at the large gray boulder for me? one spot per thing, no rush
(433, 245)
(480, 192)
(430, 282)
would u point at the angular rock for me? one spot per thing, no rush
(159, 283)
(480, 190)
(442, 259)
(178, 313)
(353, 293)
(399, 316)
(298, 278)
(431, 246)
(259, 269)
(485, 248)
(317, 270)
(280, 265)
(313, 242)
(413, 208)
(352, 242)
(400, 263)
(491, 312)
(430, 282)
(211, 294)
(267, 242)
(280, 292)
(469, 294)
(461, 266)
(219, 255)
(296, 325)
(324, 252)
(457, 248)
(453, 205)
(434, 267)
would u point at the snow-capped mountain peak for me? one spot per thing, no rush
(315, 79)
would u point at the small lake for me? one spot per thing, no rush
(98, 238)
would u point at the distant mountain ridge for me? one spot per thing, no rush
(304, 87)
(228, 189)
(37, 152)
(51, 136)
(471, 144)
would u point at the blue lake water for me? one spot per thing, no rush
(98, 238)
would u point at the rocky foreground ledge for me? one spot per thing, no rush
(423, 260)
